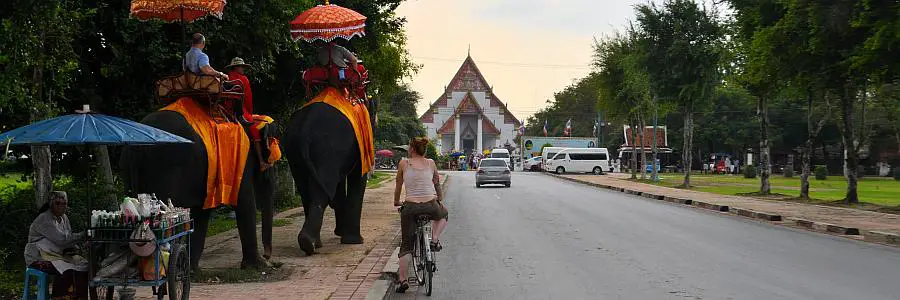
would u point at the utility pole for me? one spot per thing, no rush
(599, 132)
(655, 174)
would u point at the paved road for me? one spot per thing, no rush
(545, 238)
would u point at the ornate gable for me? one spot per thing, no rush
(469, 105)
(449, 126)
(469, 79)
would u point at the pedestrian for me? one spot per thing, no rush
(737, 166)
(423, 197)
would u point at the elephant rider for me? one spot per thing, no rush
(423, 197)
(333, 55)
(237, 71)
(198, 62)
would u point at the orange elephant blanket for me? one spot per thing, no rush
(227, 147)
(359, 117)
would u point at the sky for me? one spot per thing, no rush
(526, 49)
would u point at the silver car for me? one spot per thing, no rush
(492, 170)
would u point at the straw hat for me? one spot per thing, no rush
(237, 62)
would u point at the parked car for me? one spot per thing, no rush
(493, 171)
(580, 160)
(548, 153)
(532, 164)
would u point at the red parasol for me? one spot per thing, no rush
(176, 10)
(327, 22)
(385, 153)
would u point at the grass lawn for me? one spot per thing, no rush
(879, 191)
(13, 178)
(377, 179)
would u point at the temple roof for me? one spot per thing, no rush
(469, 78)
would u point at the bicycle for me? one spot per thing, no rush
(422, 257)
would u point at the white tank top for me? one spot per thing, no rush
(419, 183)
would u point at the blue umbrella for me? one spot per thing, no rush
(455, 154)
(89, 128)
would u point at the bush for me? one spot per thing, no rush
(750, 171)
(897, 173)
(821, 172)
(788, 172)
(284, 197)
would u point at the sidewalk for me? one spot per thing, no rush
(873, 226)
(337, 271)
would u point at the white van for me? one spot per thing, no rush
(548, 153)
(504, 154)
(581, 160)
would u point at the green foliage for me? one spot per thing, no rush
(750, 171)
(897, 174)
(431, 151)
(577, 101)
(821, 172)
(284, 197)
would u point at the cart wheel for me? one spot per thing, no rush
(101, 293)
(179, 273)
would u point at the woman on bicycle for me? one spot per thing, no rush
(423, 197)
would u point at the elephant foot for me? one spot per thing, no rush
(318, 244)
(257, 263)
(351, 240)
(307, 244)
(337, 233)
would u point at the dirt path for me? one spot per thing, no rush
(314, 277)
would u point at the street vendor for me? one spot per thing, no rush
(198, 62)
(237, 71)
(52, 248)
(338, 56)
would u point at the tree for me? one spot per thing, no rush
(37, 66)
(683, 46)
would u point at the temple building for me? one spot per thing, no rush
(468, 116)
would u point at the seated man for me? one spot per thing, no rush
(198, 62)
(331, 53)
(236, 72)
(52, 248)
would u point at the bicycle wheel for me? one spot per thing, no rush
(419, 258)
(429, 280)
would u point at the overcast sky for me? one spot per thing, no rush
(526, 49)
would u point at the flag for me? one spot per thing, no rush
(568, 129)
(595, 128)
(522, 129)
(545, 127)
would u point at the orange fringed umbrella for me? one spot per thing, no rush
(186, 11)
(327, 22)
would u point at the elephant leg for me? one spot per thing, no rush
(351, 210)
(338, 203)
(198, 239)
(246, 223)
(264, 188)
(314, 207)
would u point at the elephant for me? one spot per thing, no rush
(322, 151)
(178, 172)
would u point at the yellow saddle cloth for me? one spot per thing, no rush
(359, 117)
(227, 147)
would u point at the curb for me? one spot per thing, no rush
(871, 236)
(825, 227)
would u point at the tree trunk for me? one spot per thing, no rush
(851, 157)
(40, 155)
(812, 133)
(765, 165)
(106, 176)
(688, 143)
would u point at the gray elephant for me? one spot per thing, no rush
(324, 154)
(178, 172)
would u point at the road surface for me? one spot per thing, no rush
(546, 238)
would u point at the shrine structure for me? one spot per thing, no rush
(468, 117)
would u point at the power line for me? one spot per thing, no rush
(509, 64)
